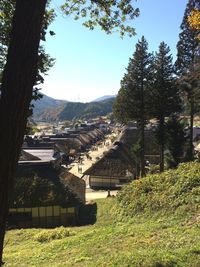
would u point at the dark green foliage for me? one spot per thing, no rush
(176, 139)
(164, 94)
(188, 44)
(131, 102)
(188, 51)
(164, 91)
(132, 96)
(108, 15)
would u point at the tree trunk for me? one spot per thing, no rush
(162, 143)
(191, 147)
(142, 152)
(16, 92)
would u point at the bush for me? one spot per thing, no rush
(52, 234)
(172, 191)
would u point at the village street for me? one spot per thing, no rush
(78, 169)
(92, 194)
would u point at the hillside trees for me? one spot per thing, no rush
(45, 62)
(164, 97)
(188, 51)
(131, 100)
(20, 73)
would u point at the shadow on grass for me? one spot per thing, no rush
(88, 214)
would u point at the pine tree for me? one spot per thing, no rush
(188, 50)
(131, 100)
(175, 140)
(164, 94)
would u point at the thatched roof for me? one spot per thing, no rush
(130, 135)
(75, 184)
(84, 138)
(120, 158)
(25, 156)
(114, 163)
(45, 186)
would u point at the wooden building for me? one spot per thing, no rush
(114, 169)
(45, 197)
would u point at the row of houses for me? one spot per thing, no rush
(47, 194)
(119, 166)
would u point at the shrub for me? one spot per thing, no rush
(51, 234)
(172, 191)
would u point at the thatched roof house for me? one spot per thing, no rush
(25, 156)
(113, 169)
(44, 185)
(46, 196)
(118, 165)
(129, 136)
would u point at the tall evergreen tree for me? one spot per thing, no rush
(188, 50)
(164, 93)
(131, 100)
(175, 140)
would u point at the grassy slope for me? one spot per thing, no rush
(164, 231)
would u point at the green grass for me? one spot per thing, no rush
(154, 222)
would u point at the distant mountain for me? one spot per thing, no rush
(49, 109)
(105, 97)
(86, 110)
(46, 102)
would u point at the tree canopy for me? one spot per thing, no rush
(194, 19)
(110, 15)
(131, 102)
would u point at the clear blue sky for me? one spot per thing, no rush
(90, 64)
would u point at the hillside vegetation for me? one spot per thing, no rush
(153, 222)
(49, 109)
(172, 192)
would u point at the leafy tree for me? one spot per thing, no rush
(188, 51)
(19, 77)
(194, 20)
(164, 95)
(131, 102)
(45, 62)
(175, 140)
(109, 15)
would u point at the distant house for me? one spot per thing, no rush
(45, 197)
(112, 170)
(32, 156)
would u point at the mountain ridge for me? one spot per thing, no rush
(102, 98)
(49, 109)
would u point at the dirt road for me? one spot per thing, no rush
(78, 169)
(92, 195)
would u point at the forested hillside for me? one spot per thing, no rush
(49, 109)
